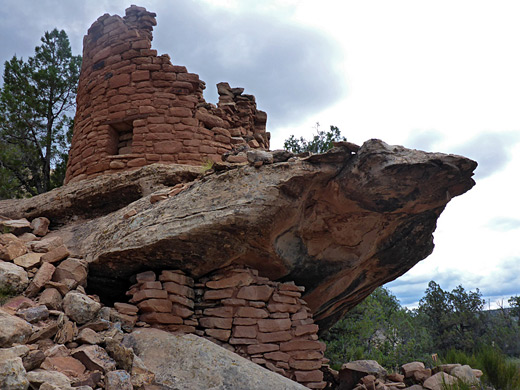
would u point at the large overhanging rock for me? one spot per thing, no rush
(340, 223)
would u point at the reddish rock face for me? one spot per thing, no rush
(135, 108)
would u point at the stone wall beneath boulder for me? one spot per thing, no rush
(264, 321)
(135, 108)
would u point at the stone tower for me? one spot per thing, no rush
(135, 108)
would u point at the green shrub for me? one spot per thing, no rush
(499, 372)
(5, 295)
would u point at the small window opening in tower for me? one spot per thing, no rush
(124, 132)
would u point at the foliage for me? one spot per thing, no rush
(379, 329)
(452, 324)
(321, 142)
(498, 371)
(5, 295)
(514, 302)
(453, 318)
(35, 129)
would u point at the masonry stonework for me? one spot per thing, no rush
(136, 108)
(264, 321)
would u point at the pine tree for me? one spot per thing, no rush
(36, 99)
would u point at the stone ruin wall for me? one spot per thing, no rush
(264, 321)
(135, 108)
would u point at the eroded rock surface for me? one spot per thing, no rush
(339, 223)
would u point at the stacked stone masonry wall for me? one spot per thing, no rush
(264, 321)
(135, 108)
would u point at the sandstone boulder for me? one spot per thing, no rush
(13, 330)
(12, 277)
(40, 226)
(437, 381)
(466, 374)
(13, 375)
(190, 362)
(79, 307)
(336, 223)
(11, 247)
(38, 377)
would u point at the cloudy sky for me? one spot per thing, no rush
(440, 76)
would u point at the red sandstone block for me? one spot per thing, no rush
(268, 325)
(235, 280)
(179, 289)
(117, 99)
(216, 322)
(207, 149)
(223, 139)
(219, 334)
(181, 328)
(160, 318)
(136, 162)
(119, 80)
(295, 294)
(242, 341)
(274, 337)
(218, 294)
(226, 311)
(289, 286)
(306, 355)
(152, 67)
(261, 348)
(307, 365)
(252, 312)
(284, 299)
(248, 332)
(155, 305)
(233, 302)
(256, 304)
(256, 293)
(172, 276)
(306, 329)
(147, 110)
(181, 300)
(300, 345)
(309, 376)
(154, 285)
(161, 128)
(190, 77)
(167, 147)
(149, 294)
(142, 44)
(148, 52)
(283, 308)
(101, 54)
(152, 157)
(245, 321)
(175, 68)
(300, 315)
(278, 356)
(181, 311)
(129, 54)
(191, 142)
(190, 121)
(140, 75)
(181, 112)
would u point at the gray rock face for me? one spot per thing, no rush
(466, 374)
(12, 277)
(13, 330)
(80, 307)
(192, 363)
(13, 375)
